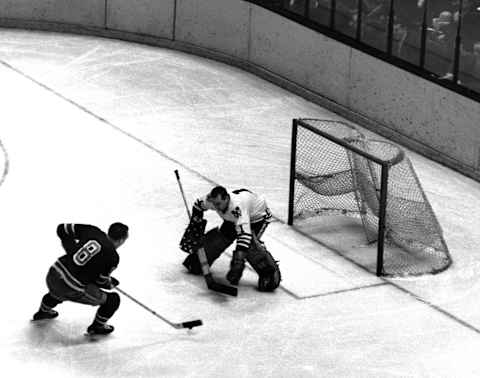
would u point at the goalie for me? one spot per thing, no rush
(245, 217)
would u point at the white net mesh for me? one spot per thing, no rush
(333, 179)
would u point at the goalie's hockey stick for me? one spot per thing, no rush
(189, 324)
(202, 257)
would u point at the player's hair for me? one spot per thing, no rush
(117, 231)
(218, 190)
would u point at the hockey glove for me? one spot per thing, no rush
(109, 284)
(114, 282)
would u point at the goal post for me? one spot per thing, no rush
(336, 170)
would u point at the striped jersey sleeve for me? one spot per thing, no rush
(76, 231)
(243, 241)
(244, 231)
(71, 233)
(66, 231)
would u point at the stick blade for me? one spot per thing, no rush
(224, 289)
(192, 323)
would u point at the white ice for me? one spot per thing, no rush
(94, 129)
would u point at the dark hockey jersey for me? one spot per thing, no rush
(90, 256)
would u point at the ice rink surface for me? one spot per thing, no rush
(91, 132)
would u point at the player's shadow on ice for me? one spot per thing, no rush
(54, 333)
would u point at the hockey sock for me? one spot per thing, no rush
(99, 321)
(107, 309)
(48, 302)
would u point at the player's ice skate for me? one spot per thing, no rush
(99, 330)
(44, 315)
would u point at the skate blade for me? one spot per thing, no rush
(41, 320)
(95, 336)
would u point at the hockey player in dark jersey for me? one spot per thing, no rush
(246, 216)
(81, 274)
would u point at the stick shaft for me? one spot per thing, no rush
(145, 307)
(183, 194)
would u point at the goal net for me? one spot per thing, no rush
(335, 170)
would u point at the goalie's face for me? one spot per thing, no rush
(220, 203)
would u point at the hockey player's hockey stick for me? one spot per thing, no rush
(189, 325)
(211, 283)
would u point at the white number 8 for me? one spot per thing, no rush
(84, 254)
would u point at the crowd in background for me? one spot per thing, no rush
(442, 27)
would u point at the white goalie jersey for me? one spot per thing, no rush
(244, 208)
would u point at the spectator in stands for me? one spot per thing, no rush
(476, 50)
(442, 22)
(470, 27)
(469, 70)
(469, 37)
(408, 29)
(344, 17)
(476, 66)
(297, 6)
(444, 31)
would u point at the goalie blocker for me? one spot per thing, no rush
(217, 240)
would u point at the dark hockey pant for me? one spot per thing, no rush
(90, 294)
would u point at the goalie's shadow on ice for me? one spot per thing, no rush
(198, 282)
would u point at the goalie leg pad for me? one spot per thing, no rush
(265, 265)
(192, 264)
(269, 282)
(237, 264)
(214, 243)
